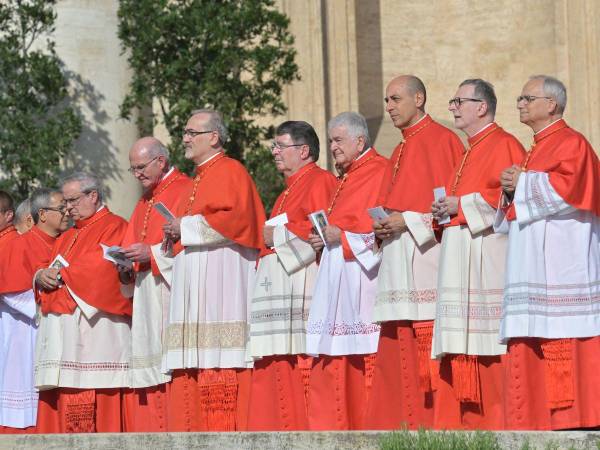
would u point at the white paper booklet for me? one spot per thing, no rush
(377, 213)
(319, 222)
(59, 262)
(440, 192)
(280, 219)
(115, 255)
(164, 211)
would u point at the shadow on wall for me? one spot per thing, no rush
(370, 65)
(94, 150)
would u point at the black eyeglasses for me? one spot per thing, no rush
(457, 101)
(529, 98)
(141, 167)
(278, 146)
(61, 210)
(193, 133)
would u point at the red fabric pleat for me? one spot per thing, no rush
(424, 337)
(558, 357)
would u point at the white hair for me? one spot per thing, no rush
(215, 122)
(355, 125)
(87, 183)
(554, 88)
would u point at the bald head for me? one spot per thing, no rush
(149, 161)
(405, 98)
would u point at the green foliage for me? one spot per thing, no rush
(37, 126)
(439, 440)
(230, 55)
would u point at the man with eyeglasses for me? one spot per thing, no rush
(84, 339)
(217, 236)
(339, 327)
(470, 391)
(8, 231)
(146, 406)
(18, 264)
(551, 314)
(406, 285)
(284, 283)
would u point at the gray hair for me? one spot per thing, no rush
(22, 211)
(355, 125)
(40, 199)
(158, 149)
(554, 88)
(87, 183)
(484, 90)
(215, 122)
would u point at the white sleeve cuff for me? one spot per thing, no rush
(419, 226)
(163, 262)
(478, 213)
(22, 302)
(363, 247)
(293, 252)
(195, 231)
(535, 198)
(88, 310)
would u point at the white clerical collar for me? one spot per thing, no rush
(212, 157)
(363, 153)
(424, 115)
(547, 126)
(100, 208)
(168, 173)
(487, 126)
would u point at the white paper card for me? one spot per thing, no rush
(114, 254)
(440, 192)
(280, 219)
(319, 222)
(378, 213)
(59, 262)
(164, 211)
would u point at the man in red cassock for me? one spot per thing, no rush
(550, 317)
(284, 284)
(19, 261)
(402, 393)
(217, 236)
(340, 327)
(146, 407)
(83, 341)
(470, 392)
(7, 214)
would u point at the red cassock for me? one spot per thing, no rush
(339, 385)
(491, 151)
(279, 382)
(225, 195)
(422, 162)
(574, 172)
(95, 280)
(7, 235)
(145, 409)
(20, 259)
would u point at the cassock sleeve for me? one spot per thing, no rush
(293, 252)
(535, 198)
(163, 262)
(420, 226)
(362, 246)
(478, 213)
(195, 231)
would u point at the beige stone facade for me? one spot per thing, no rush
(349, 49)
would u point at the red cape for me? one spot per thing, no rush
(494, 150)
(89, 275)
(22, 257)
(310, 189)
(428, 157)
(227, 198)
(171, 191)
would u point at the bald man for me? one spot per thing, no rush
(406, 286)
(145, 407)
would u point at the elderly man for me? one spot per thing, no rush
(284, 284)
(551, 318)
(23, 218)
(339, 325)
(470, 393)
(83, 343)
(18, 264)
(217, 235)
(7, 215)
(146, 407)
(406, 291)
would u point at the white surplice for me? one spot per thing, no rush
(341, 313)
(406, 284)
(553, 265)
(209, 307)
(470, 284)
(282, 297)
(18, 396)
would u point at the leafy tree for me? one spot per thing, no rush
(231, 55)
(37, 126)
